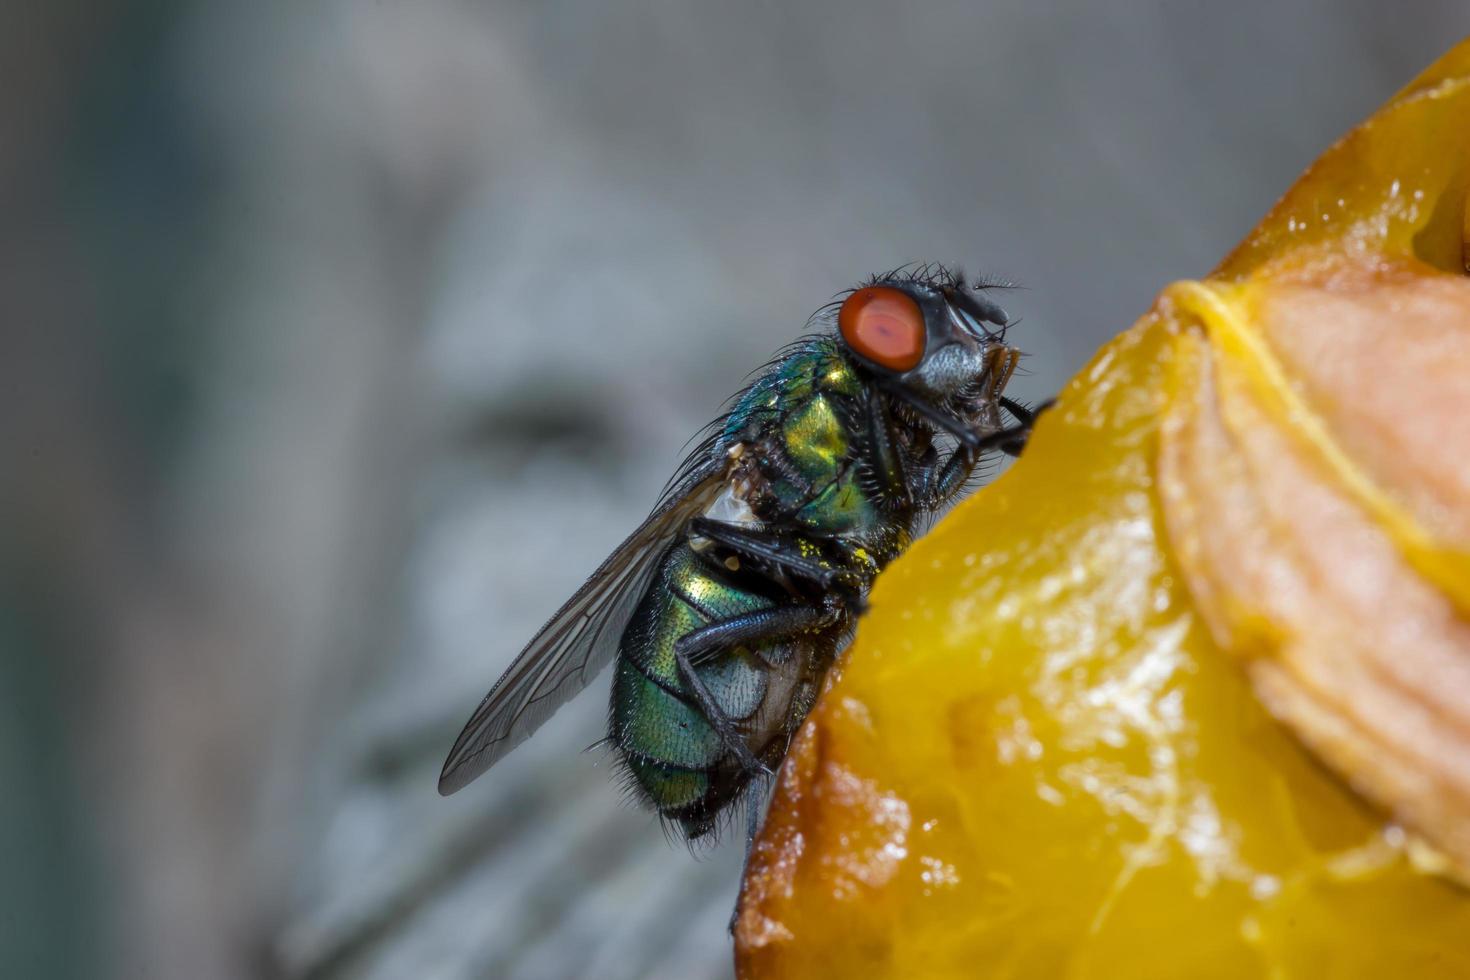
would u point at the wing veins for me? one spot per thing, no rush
(547, 672)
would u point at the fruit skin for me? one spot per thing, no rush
(1036, 761)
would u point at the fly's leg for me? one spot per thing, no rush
(762, 546)
(755, 796)
(884, 463)
(961, 463)
(753, 799)
(752, 627)
(1009, 440)
(943, 421)
(1025, 419)
(757, 626)
(1021, 413)
(715, 715)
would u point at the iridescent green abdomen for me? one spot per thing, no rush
(672, 751)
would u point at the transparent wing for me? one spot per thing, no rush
(582, 637)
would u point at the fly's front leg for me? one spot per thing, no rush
(1025, 418)
(961, 463)
(950, 479)
(884, 463)
(759, 626)
(924, 473)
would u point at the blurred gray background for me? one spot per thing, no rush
(342, 339)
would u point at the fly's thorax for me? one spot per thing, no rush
(799, 443)
(814, 438)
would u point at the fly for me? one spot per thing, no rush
(725, 608)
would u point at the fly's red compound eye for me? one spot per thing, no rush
(885, 326)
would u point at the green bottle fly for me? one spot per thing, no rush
(727, 606)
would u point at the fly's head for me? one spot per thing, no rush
(934, 342)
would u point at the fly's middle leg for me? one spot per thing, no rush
(763, 547)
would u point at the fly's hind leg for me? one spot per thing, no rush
(753, 627)
(755, 798)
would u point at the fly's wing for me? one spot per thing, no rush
(583, 635)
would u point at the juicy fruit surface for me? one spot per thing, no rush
(1079, 734)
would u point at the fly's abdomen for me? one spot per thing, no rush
(674, 755)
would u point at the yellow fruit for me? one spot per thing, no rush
(1185, 693)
